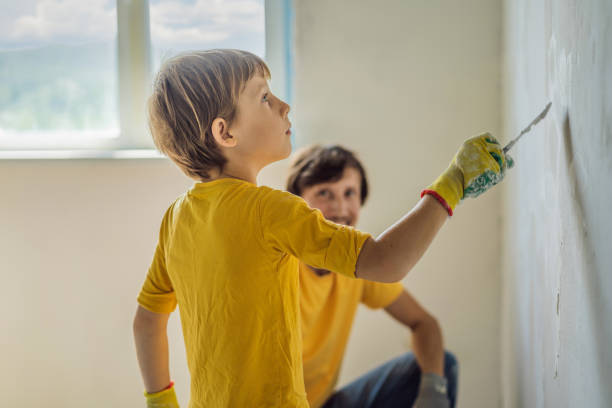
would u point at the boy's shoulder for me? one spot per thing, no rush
(272, 197)
(173, 209)
(264, 199)
(265, 193)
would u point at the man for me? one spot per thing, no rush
(333, 180)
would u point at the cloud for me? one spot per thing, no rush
(65, 21)
(205, 23)
(175, 24)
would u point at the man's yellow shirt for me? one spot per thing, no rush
(328, 305)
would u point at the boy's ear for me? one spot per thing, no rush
(220, 131)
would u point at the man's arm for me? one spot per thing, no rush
(426, 333)
(152, 348)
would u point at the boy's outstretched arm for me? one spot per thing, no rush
(478, 165)
(151, 342)
(389, 257)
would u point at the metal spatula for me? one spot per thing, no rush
(538, 118)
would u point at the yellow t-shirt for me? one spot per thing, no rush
(228, 255)
(328, 304)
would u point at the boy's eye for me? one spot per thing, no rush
(350, 193)
(323, 193)
(265, 98)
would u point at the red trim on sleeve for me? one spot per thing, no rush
(440, 200)
(169, 386)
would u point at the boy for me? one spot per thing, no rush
(332, 180)
(228, 250)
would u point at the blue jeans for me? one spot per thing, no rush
(393, 384)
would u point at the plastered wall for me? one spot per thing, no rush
(557, 262)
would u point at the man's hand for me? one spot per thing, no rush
(432, 392)
(163, 399)
(479, 164)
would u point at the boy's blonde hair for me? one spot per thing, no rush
(190, 91)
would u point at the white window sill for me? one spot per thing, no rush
(80, 154)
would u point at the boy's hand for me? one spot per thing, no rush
(163, 399)
(479, 164)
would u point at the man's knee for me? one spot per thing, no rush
(451, 366)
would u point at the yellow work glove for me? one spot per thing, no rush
(165, 398)
(479, 164)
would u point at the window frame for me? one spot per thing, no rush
(134, 78)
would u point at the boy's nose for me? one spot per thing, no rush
(285, 108)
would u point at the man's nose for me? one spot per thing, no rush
(340, 207)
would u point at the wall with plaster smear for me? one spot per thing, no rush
(557, 250)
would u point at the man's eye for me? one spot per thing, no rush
(265, 98)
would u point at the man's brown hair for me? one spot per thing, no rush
(320, 164)
(190, 91)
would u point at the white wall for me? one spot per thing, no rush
(76, 241)
(556, 333)
(403, 83)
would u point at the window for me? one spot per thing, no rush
(76, 74)
(58, 70)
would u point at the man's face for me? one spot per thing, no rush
(339, 201)
(261, 125)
